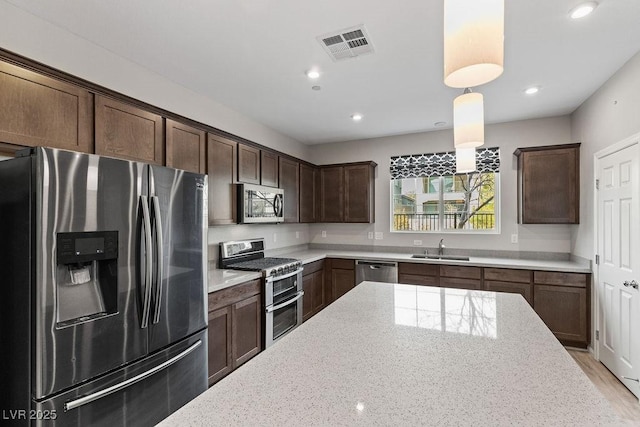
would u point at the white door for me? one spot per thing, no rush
(619, 270)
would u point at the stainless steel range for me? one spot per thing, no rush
(282, 284)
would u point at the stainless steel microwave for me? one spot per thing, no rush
(260, 204)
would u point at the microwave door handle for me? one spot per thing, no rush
(148, 264)
(159, 256)
(278, 205)
(273, 308)
(275, 206)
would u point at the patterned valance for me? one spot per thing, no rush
(441, 164)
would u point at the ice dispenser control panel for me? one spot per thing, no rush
(87, 246)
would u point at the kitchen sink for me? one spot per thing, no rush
(442, 257)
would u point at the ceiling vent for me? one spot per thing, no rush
(347, 43)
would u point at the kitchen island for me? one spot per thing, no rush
(388, 354)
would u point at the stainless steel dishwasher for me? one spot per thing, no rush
(376, 271)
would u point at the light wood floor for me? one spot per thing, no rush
(623, 402)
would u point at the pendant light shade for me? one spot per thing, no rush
(468, 120)
(473, 42)
(465, 160)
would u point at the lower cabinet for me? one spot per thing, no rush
(235, 327)
(454, 276)
(314, 298)
(342, 275)
(510, 281)
(418, 274)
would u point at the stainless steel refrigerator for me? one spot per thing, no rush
(102, 289)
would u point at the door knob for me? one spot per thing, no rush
(626, 284)
(633, 284)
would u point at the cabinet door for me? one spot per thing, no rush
(564, 310)
(343, 281)
(221, 168)
(332, 194)
(185, 147)
(308, 182)
(290, 183)
(550, 186)
(128, 132)
(319, 297)
(358, 200)
(246, 329)
(248, 164)
(523, 289)
(38, 110)
(269, 168)
(308, 285)
(219, 333)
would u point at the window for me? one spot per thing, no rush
(446, 202)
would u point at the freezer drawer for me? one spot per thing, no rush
(144, 402)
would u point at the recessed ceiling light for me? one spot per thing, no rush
(532, 90)
(356, 117)
(439, 124)
(313, 74)
(583, 10)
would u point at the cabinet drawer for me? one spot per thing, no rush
(417, 269)
(460, 283)
(417, 279)
(234, 294)
(523, 289)
(461, 272)
(561, 279)
(312, 267)
(507, 275)
(345, 264)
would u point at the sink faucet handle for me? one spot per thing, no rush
(441, 247)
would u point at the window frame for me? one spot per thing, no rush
(497, 204)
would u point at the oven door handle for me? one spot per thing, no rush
(284, 276)
(273, 308)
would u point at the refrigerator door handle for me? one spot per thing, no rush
(159, 254)
(148, 265)
(73, 404)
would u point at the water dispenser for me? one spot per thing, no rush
(86, 276)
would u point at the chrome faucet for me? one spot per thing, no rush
(441, 247)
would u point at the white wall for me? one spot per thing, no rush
(610, 115)
(30, 36)
(507, 136)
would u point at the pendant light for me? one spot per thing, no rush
(468, 120)
(473, 42)
(465, 160)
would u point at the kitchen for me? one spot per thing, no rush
(600, 116)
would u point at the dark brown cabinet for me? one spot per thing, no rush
(454, 276)
(128, 132)
(418, 274)
(511, 281)
(549, 184)
(39, 110)
(347, 192)
(314, 298)
(248, 164)
(268, 168)
(235, 328)
(185, 147)
(289, 177)
(309, 178)
(342, 276)
(221, 168)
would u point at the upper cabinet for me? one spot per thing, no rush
(290, 182)
(347, 193)
(128, 132)
(185, 147)
(39, 110)
(549, 184)
(221, 167)
(309, 179)
(248, 164)
(269, 168)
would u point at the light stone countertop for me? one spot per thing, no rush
(387, 354)
(220, 279)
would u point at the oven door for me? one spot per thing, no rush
(283, 310)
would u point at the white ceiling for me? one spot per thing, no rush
(251, 55)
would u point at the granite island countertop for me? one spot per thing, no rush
(388, 354)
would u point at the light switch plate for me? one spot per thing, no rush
(324, 233)
(417, 243)
(370, 235)
(514, 238)
(297, 234)
(378, 235)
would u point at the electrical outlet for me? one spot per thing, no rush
(275, 237)
(370, 235)
(378, 235)
(514, 238)
(297, 234)
(324, 233)
(417, 243)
